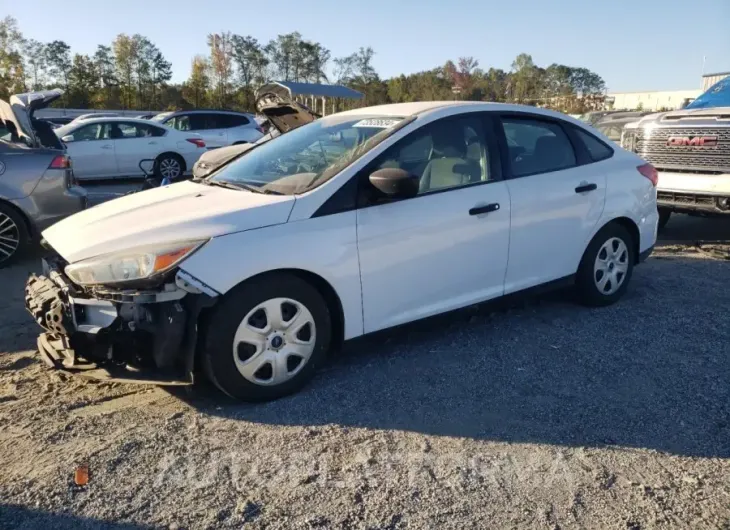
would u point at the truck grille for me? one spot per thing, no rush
(653, 146)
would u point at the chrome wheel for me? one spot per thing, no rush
(611, 266)
(170, 168)
(9, 237)
(274, 341)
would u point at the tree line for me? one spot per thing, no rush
(132, 73)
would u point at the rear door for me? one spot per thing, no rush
(134, 142)
(557, 197)
(215, 129)
(92, 152)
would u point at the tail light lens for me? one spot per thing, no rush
(260, 129)
(649, 172)
(60, 162)
(196, 141)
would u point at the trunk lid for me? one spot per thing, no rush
(283, 113)
(19, 111)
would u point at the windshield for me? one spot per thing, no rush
(309, 155)
(161, 117)
(718, 95)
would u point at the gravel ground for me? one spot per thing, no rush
(538, 415)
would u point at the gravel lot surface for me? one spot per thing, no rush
(537, 415)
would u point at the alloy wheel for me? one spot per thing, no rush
(170, 168)
(274, 341)
(9, 237)
(611, 266)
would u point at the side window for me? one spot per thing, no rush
(181, 122)
(596, 148)
(94, 131)
(537, 146)
(233, 120)
(448, 153)
(127, 130)
(214, 121)
(196, 122)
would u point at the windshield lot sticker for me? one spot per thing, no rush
(382, 123)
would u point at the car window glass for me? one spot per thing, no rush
(213, 121)
(196, 122)
(445, 154)
(596, 148)
(94, 131)
(537, 146)
(233, 120)
(181, 123)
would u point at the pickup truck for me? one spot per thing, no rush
(690, 148)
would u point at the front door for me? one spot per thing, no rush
(445, 248)
(556, 202)
(92, 152)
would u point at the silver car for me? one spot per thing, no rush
(37, 185)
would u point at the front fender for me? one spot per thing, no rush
(325, 246)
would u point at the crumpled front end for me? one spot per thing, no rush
(135, 335)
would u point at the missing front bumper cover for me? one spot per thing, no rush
(149, 338)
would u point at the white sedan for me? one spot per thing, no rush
(350, 224)
(104, 148)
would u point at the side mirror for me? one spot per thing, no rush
(68, 138)
(395, 182)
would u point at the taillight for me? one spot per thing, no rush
(649, 172)
(60, 162)
(260, 129)
(196, 141)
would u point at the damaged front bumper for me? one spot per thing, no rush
(134, 335)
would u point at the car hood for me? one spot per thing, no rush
(210, 161)
(19, 111)
(719, 116)
(179, 212)
(283, 113)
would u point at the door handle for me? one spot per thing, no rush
(151, 143)
(493, 207)
(106, 146)
(585, 187)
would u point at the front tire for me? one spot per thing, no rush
(606, 267)
(267, 337)
(14, 237)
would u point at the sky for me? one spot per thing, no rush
(635, 45)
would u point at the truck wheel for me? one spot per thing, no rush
(13, 235)
(267, 337)
(664, 216)
(606, 266)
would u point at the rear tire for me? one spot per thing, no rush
(14, 237)
(169, 165)
(664, 215)
(256, 352)
(606, 267)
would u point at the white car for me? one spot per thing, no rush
(104, 148)
(218, 128)
(353, 223)
(83, 117)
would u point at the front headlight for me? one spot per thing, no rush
(134, 264)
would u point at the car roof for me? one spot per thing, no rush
(206, 111)
(449, 107)
(105, 119)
